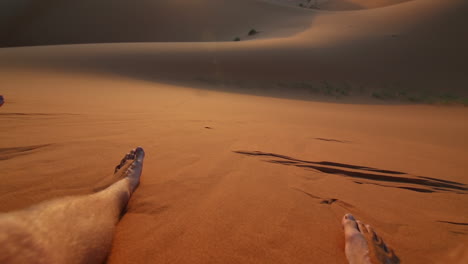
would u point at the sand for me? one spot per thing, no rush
(246, 162)
(338, 5)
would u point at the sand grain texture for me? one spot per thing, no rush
(239, 167)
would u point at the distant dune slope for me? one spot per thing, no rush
(339, 4)
(356, 4)
(413, 51)
(417, 45)
(45, 22)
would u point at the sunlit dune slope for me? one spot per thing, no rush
(27, 22)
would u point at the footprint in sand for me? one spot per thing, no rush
(328, 201)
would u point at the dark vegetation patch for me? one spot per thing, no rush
(343, 90)
(253, 32)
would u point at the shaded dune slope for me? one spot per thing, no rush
(27, 22)
(357, 4)
(338, 5)
(414, 45)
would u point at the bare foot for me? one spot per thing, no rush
(131, 166)
(364, 246)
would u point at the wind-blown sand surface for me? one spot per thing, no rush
(237, 169)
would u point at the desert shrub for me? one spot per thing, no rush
(378, 95)
(236, 39)
(328, 89)
(464, 101)
(252, 32)
(414, 99)
(384, 95)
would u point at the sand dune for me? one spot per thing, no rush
(254, 149)
(70, 22)
(412, 51)
(338, 5)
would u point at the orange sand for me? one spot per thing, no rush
(71, 111)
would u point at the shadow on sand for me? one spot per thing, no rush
(367, 175)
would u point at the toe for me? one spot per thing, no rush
(139, 154)
(348, 218)
(384, 247)
(349, 223)
(373, 234)
(129, 156)
(362, 227)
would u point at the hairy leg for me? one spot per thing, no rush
(364, 246)
(72, 229)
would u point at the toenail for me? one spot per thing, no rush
(349, 217)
